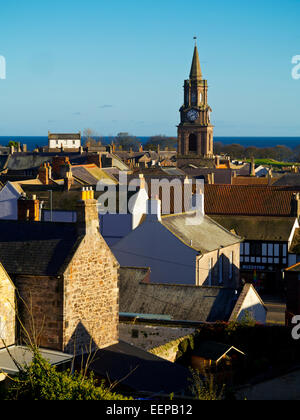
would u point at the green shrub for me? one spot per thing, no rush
(41, 381)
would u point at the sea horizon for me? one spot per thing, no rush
(257, 141)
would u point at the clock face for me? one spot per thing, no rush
(192, 115)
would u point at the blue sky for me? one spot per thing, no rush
(120, 65)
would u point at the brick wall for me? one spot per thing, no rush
(7, 310)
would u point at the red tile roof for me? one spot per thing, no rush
(248, 200)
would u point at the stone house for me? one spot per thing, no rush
(69, 277)
(7, 310)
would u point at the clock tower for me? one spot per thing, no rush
(195, 132)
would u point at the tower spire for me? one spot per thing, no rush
(196, 73)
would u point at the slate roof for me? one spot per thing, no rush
(25, 161)
(204, 236)
(182, 303)
(288, 180)
(36, 248)
(248, 200)
(143, 371)
(258, 228)
(24, 355)
(212, 350)
(72, 136)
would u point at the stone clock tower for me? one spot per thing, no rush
(195, 132)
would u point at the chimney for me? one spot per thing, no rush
(154, 210)
(44, 174)
(295, 205)
(142, 182)
(95, 159)
(158, 149)
(141, 148)
(217, 163)
(113, 147)
(19, 147)
(57, 163)
(211, 178)
(11, 149)
(29, 209)
(81, 150)
(24, 148)
(87, 213)
(252, 166)
(68, 180)
(197, 201)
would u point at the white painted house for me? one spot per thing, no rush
(9, 196)
(182, 250)
(66, 141)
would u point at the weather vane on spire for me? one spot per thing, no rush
(195, 38)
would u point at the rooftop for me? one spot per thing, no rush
(258, 228)
(23, 356)
(202, 234)
(248, 200)
(36, 248)
(182, 303)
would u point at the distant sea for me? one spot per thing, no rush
(291, 142)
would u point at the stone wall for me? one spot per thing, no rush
(40, 307)
(7, 309)
(159, 340)
(91, 304)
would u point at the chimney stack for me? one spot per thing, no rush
(44, 174)
(211, 178)
(87, 213)
(154, 210)
(29, 209)
(252, 166)
(68, 180)
(96, 159)
(295, 205)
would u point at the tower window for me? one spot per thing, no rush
(193, 143)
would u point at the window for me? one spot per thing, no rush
(284, 249)
(256, 249)
(276, 250)
(264, 250)
(246, 248)
(270, 250)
